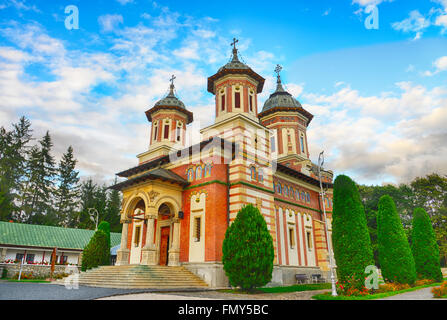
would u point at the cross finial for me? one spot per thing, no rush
(234, 43)
(278, 70)
(172, 79)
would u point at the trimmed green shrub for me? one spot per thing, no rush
(105, 226)
(96, 251)
(248, 250)
(395, 257)
(350, 237)
(425, 248)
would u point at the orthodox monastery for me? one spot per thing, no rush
(179, 200)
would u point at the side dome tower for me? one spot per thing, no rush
(288, 120)
(169, 118)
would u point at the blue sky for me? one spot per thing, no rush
(379, 96)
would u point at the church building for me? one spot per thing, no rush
(180, 199)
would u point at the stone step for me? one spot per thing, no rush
(137, 276)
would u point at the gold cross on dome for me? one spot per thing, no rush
(234, 43)
(172, 79)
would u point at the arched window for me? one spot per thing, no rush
(190, 174)
(207, 170)
(261, 175)
(286, 191)
(292, 192)
(308, 197)
(253, 173)
(278, 187)
(198, 173)
(303, 196)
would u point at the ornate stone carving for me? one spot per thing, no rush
(153, 195)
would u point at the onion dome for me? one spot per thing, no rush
(281, 100)
(170, 102)
(235, 66)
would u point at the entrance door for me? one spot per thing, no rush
(164, 246)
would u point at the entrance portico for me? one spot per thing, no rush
(151, 226)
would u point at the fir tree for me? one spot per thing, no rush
(113, 209)
(248, 250)
(39, 187)
(352, 244)
(395, 257)
(67, 193)
(424, 247)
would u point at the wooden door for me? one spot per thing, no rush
(164, 246)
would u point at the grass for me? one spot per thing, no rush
(294, 288)
(29, 280)
(327, 296)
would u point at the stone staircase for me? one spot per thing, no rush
(139, 277)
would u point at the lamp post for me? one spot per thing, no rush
(329, 247)
(92, 216)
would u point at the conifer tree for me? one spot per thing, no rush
(105, 226)
(95, 253)
(424, 247)
(351, 240)
(67, 193)
(395, 257)
(39, 186)
(113, 210)
(248, 250)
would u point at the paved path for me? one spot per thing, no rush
(218, 295)
(422, 294)
(152, 296)
(47, 291)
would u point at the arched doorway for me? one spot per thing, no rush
(164, 216)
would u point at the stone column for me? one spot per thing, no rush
(174, 251)
(122, 255)
(3, 256)
(148, 253)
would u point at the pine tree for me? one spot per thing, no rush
(95, 253)
(395, 257)
(13, 150)
(105, 226)
(113, 210)
(248, 250)
(67, 193)
(351, 240)
(424, 246)
(38, 195)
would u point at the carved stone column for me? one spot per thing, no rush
(174, 251)
(122, 255)
(149, 252)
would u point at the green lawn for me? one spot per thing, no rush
(327, 296)
(29, 280)
(294, 288)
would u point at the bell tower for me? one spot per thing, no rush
(169, 118)
(235, 86)
(288, 120)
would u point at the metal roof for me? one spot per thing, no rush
(21, 234)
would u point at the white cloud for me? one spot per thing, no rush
(110, 22)
(440, 65)
(124, 2)
(415, 23)
(365, 3)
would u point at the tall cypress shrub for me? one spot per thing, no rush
(395, 257)
(105, 226)
(248, 250)
(424, 246)
(351, 241)
(95, 252)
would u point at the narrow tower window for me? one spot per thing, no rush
(302, 143)
(251, 103)
(197, 221)
(237, 99)
(222, 102)
(155, 131)
(166, 133)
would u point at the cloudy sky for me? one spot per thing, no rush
(379, 96)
